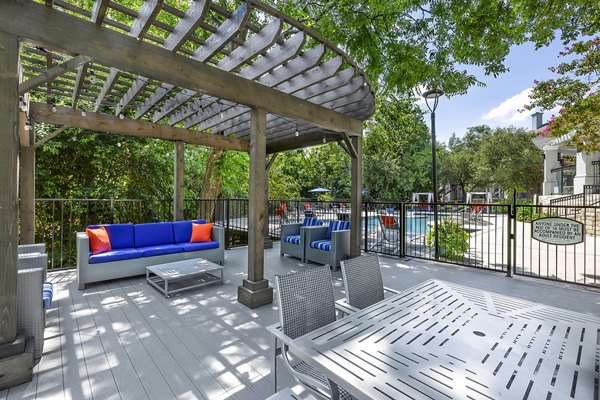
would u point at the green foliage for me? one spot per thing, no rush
(453, 240)
(529, 214)
(406, 43)
(505, 158)
(575, 91)
(397, 152)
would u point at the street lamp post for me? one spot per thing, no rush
(434, 94)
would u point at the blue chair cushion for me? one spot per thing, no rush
(197, 246)
(160, 250)
(293, 239)
(321, 245)
(308, 221)
(337, 226)
(182, 230)
(153, 234)
(47, 293)
(115, 255)
(120, 235)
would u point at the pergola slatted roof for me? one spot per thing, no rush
(246, 79)
(253, 43)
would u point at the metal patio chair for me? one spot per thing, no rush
(363, 283)
(390, 232)
(306, 303)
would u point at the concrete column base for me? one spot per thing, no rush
(16, 362)
(255, 294)
(268, 243)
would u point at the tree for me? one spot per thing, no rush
(460, 164)
(575, 91)
(397, 152)
(511, 160)
(406, 43)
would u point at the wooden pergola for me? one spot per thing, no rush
(250, 79)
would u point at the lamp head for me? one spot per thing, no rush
(433, 94)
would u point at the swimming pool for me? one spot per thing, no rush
(415, 224)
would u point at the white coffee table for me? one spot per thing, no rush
(177, 276)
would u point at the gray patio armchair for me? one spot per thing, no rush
(328, 244)
(306, 303)
(31, 248)
(293, 237)
(31, 315)
(363, 283)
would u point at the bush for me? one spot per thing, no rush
(528, 214)
(453, 240)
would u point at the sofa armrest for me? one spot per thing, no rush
(315, 233)
(290, 229)
(340, 244)
(218, 235)
(83, 254)
(33, 260)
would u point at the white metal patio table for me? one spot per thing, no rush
(446, 341)
(183, 275)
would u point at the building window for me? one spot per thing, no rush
(564, 177)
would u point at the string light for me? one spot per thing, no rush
(54, 109)
(296, 133)
(93, 78)
(83, 113)
(324, 139)
(121, 116)
(27, 125)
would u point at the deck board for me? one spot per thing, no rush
(123, 339)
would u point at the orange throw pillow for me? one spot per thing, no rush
(99, 240)
(201, 233)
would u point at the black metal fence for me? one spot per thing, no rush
(495, 237)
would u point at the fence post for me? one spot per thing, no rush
(226, 224)
(112, 210)
(366, 205)
(402, 223)
(509, 242)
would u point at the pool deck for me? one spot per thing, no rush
(123, 340)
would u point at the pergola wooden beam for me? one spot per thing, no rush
(50, 136)
(110, 123)
(52, 73)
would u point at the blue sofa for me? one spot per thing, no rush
(135, 247)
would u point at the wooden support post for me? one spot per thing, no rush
(27, 184)
(178, 181)
(356, 198)
(9, 154)
(255, 291)
(16, 354)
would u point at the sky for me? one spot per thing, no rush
(497, 103)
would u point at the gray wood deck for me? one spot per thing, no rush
(124, 340)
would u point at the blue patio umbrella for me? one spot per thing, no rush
(319, 190)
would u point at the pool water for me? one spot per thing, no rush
(415, 225)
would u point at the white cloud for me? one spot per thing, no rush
(507, 112)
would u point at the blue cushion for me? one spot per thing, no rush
(47, 293)
(120, 235)
(160, 250)
(153, 234)
(312, 222)
(321, 245)
(293, 239)
(115, 255)
(200, 246)
(182, 230)
(337, 226)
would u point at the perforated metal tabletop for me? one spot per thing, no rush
(445, 341)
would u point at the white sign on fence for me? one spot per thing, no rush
(554, 230)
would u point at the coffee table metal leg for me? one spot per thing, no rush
(166, 288)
